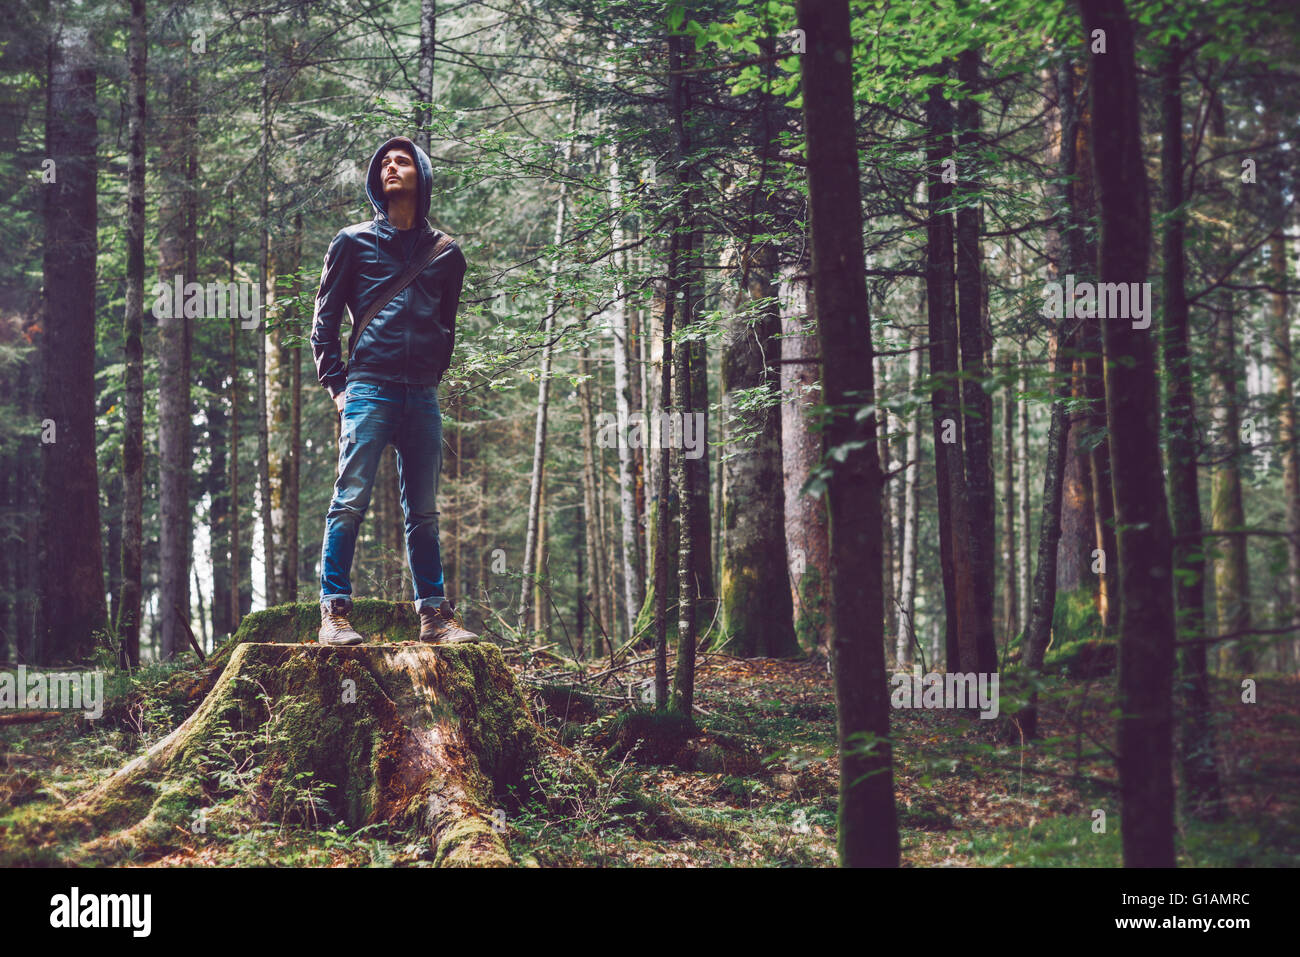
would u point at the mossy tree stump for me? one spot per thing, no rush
(417, 735)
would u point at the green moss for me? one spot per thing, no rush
(810, 614)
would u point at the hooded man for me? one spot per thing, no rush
(387, 392)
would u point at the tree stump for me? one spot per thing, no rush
(430, 736)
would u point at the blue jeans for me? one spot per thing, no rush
(374, 415)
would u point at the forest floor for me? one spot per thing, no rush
(967, 793)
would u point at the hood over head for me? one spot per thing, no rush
(423, 174)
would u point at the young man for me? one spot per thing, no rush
(388, 390)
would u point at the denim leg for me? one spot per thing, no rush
(370, 416)
(418, 440)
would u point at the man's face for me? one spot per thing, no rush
(397, 172)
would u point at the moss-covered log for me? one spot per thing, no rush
(417, 735)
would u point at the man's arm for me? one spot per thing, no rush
(331, 298)
(450, 305)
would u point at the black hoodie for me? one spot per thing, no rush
(410, 340)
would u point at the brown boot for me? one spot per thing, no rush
(335, 629)
(440, 626)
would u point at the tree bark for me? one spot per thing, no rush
(1184, 490)
(1147, 626)
(868, 826)
(424, 78)
(757, 611)
(72, 603)
(633, 567)
(1010, 613)
(977, 403)
(906, 632)
(1288, 437)
(693, 536)
(131, 556)
(960, 599)
(807, 549)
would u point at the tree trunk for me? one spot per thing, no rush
(807, 549)
(889, 601)
(131, 556)
(960, 599)
(1147, 627)
(175, 447)
(1010, 613)
(594, 546)
(693, 536)
(868, 826)
(1022, 453)
(1181, 427)
(543, 389)
(72, 566)
(906, 634)
(265, 280)
(977, 403)
(1078, 521)
(424, 78)
(633, 567)
(1288, 437)
(236, 554)
(757, 612)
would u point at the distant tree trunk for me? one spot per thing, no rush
(72, 565)
(131, 556)
(906, 634)
(977, 403)
(424, 78)
(595, 548)
(236, 556)
(175, 448)
(701, 482)
(693, 535)
(757, 611)
(1078, 521)
(1010, 613)
(266, 288)
(663, 471)
(292, 469)
(1147, 626)
(1284, 383)
(1181, 428)
(807, 549)
(633, 567)
(1078, 256)
(1038, 628)
(284, 399)
(888, 595)
(1022, 453)
(219, 506)
(541, 605)
(543, 390)
(954, 519)
(1227, 508)
(1065, 135)
(868, 825)
(1103, 496)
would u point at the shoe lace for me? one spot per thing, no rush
(339, 621)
